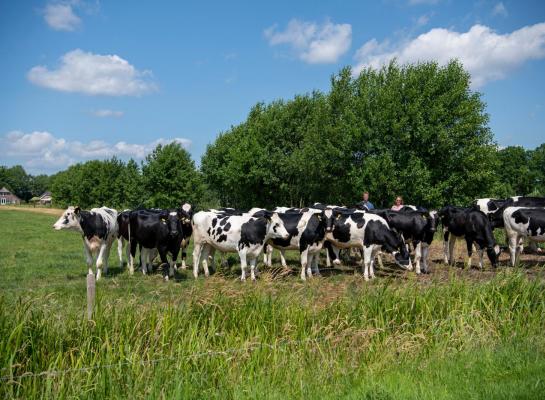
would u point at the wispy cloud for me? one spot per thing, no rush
(104, 113)
(93, 74)
(312, 42)
(487, 55)
(500, 10)
(42, 151)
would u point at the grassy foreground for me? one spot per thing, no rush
(332, 337)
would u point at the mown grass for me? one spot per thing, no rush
(332, 337)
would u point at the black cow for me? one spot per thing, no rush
(472, 225)
(155, 229)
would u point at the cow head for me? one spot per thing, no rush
(395, 245)
(276, 228)
(433, 220)
(172, 220)
(69, 219)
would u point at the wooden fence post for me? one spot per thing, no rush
(91, 286)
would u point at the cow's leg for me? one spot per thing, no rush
(446, 244)
(451, 244)
(513, 249)
(480, 251)
(314, 263)
(197, 250)
(425, 254)
(130, 259)
(379, 259)
(417, 257)
(469, 245)
(242, 255)
(107, 257)
(253, 263)
(267, 255)
(144, 259)
(366, 261)
(327, 259)
(376, 250)
(184, 253)
(120, 244)
(283, 258)
(100, 259)
(212, 256)
(88, 257)
(204, 255)
(304, 263)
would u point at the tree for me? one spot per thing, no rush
(17, 181)
(169, 177)
(514, 171)
(414, 130)
(536, 164)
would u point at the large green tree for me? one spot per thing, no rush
(413, 130)
(169, 177)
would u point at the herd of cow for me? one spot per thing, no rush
(307, 230)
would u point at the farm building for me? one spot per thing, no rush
(6, 197)
(45, 198)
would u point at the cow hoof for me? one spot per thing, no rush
(337, 262)
(166, 278)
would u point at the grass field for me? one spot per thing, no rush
(453, 334)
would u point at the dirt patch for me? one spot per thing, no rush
(39, 210)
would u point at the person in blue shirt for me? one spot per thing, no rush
(365, 202)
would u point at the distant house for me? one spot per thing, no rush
(6, 197)
(45, 198)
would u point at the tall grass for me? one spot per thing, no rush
(228, 340)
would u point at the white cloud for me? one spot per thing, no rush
(107, 113)
(41, 150)
(61, 17)
(93, 74)
(485, 54)
(312, 42)
(499, 9)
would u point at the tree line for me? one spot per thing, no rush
(415, 130)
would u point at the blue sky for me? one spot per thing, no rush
(88, 79)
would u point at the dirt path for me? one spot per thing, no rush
(39, 210)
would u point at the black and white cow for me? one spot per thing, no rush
(123, 236)
(473, 226)
(243, 234)
(521, 223)
(186, 212)
(306, 228)
(494, 208)
(369, 232)
(98, 228)
(155, 230)
(418, 228)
